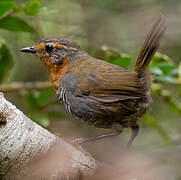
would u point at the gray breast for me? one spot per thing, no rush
(77, 104)
(66, 90)
(63, 98)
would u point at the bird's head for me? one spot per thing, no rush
(54, 50)
(55, 53)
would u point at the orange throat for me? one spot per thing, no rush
(57, 71)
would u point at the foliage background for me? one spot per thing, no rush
(109, 30)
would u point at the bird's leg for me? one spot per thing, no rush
(94, 138)
(135, 130)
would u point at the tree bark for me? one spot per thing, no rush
(28, 151)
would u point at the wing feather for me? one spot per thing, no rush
(106, 82)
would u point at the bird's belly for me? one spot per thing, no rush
(79, 107)
(103, 115)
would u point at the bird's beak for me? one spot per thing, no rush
(28, 50)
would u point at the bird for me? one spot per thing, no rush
(95, 91)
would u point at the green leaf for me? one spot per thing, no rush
(56, 102)
(174, 104)
(31, 100)
(179, 78)
(179, 72)
(15, 24)
(156, 88)
(154, 123)
(31, 8)
(45, 96)
(168, 79)
(5, 61)
(114, 56)
(123, 61)
(40, 118)
(56, 115)
(164, 69)
(5, 7)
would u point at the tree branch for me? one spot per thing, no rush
(27, 150)
(17, 86)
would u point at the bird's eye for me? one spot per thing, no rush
(49, 48)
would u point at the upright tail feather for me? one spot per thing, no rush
(150, 45)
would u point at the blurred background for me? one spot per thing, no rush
(113, 30)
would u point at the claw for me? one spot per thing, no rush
(135, 130)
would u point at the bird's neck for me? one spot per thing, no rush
(57, 71)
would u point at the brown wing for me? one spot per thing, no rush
(106, 82)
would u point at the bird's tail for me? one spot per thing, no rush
(150, 45)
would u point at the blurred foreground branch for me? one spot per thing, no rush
(30, 151)
(17, 86)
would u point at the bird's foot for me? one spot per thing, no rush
(94, 138)
(77, 141)
(135, 130)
